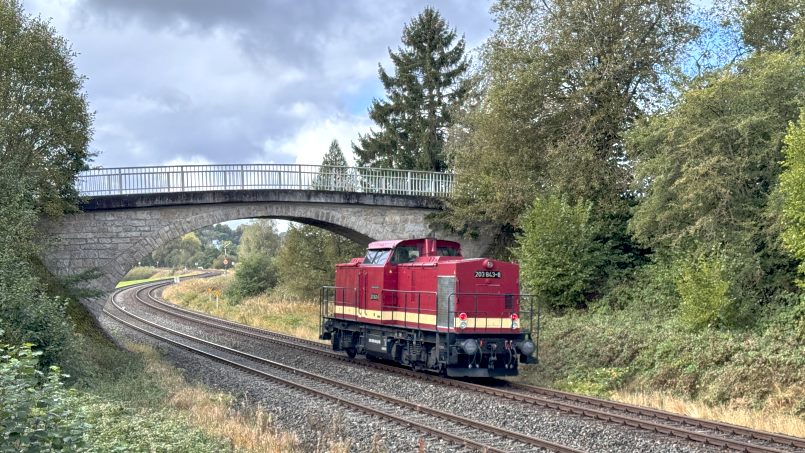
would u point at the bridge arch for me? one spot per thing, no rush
(114, 232)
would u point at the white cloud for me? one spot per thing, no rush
(311, 142)
(215, 82)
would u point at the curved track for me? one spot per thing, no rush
(718, 434)
(456, 429)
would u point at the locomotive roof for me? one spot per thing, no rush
(393, 243)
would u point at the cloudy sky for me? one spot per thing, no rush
(211, 81)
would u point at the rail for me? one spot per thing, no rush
(194, 178)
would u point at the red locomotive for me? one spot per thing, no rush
(418, 302)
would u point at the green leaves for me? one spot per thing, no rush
(307, 259)
(557, 251)
(703, 288)
(422, 93)
(792, 189)
(38, 413)
(45, 127)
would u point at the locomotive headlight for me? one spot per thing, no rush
(515, 321)
(489, 264)
(463, 321)
(470, 346)
(526, 347)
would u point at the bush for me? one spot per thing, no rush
(38, 413)
(703, 291)
(254, 275)
(557, 251)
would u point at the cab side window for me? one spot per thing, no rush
(405, 254)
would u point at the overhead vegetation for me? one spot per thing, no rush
(427, 85)
(792, 190)
(44, 131)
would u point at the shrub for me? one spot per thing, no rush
(792, 182)
(37, 413)
(557, 251)
(254, 275)
(703, 289)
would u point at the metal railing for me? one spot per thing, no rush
(193, 178)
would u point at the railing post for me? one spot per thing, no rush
(408, 185)
(299, 169)
(181, 173)
(242, 181)
(120, 180)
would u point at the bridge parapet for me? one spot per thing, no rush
(195, 178)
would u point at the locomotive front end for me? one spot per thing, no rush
(490, 322)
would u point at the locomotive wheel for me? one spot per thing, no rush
(351, 352)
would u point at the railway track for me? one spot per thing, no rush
(713, 433)
(453, 428)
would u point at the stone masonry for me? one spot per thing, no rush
(114, 233)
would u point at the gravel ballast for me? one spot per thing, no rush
(306, 416)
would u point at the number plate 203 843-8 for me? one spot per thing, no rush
(487, 274)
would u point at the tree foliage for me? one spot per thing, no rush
(564, 81)
(259, 237)
(707, 167)
(202, 247)
(28, 314)
(256, 271)
(704, 292)
(426, 86)
(770, 25)
(792, 189)
(307, 259)
(558, 252)
(45, 127)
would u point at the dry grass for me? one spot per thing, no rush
(766, 420)
(301, 319)
(297, 318)
(217, 414)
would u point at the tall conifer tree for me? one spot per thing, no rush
(426, 84)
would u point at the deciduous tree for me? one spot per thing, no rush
(45, 127)
(564, 81)
(792, 189)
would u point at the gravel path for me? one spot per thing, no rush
(307, 417)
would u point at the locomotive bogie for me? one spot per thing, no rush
(431, 351)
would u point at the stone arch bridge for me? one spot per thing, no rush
(129, 212)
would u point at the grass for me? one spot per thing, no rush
(770, 420)
(217, 414)
(163, 274)
(753, 379)
(298, 318)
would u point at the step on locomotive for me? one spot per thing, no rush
(419, 303)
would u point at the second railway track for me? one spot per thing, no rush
(456, 429)
(707, 432)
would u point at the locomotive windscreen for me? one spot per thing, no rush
(376, 256)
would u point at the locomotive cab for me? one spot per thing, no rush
(420, 303)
